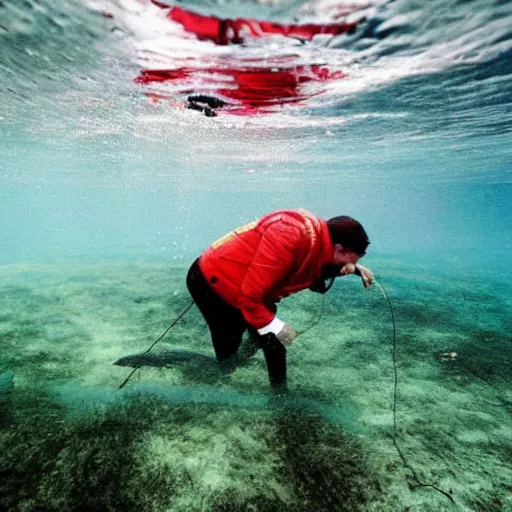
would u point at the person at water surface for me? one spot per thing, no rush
(238, 280)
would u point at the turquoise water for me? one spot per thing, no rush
(107, 194)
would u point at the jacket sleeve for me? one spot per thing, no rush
(279, 250)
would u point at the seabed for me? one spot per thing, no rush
(185, 437)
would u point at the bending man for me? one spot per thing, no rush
(237, 281)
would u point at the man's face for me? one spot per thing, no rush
(343, 256)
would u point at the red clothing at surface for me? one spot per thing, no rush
(251, 89)
(233, 31)
(258, 264)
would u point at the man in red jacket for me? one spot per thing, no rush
(237, 281)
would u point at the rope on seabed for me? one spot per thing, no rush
(181, 315)
(419, 482)
(317, 321)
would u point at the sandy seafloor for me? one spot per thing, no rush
(187, 438)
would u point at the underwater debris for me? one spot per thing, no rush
(446, 356)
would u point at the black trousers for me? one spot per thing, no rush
(227, 325)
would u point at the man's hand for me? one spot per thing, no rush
(347, 269)
(286, 335)
(365, 273)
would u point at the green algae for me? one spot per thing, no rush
(332, 450)
(112, 459)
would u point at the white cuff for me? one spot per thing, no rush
(275, 326)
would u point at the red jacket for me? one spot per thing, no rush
(256, 265)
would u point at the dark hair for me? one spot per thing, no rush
(349, 233)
